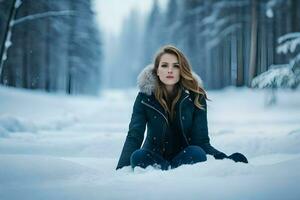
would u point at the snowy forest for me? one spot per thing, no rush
(228, 42)
(50, 45)
(69, 98)
(57, 45)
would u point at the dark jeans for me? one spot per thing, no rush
(189, 155)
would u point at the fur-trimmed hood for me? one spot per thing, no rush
(146, 80)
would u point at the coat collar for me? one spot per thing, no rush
(147, 80)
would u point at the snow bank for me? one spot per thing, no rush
(60, 147)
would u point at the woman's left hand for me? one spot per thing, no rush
(220, 156)
(238, 157)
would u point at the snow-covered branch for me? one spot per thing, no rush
(42, 15)
(288, 36)
(7, 44)
(13, 22)
(7, 34)
(18, 4)
(276, 77)
(233, 3)
(270, 5)
(230, 29)
(289, 42)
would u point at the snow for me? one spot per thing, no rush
(54, 146)
(42, 15)
(288, 42)
(270, 6)
(18, 3)
(7, 44)
(277, 76)
(219, 36)
(270, 13)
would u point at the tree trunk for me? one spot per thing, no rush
(253, 47)
(3, 51)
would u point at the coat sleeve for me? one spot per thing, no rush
(135, 135)
(199, 132)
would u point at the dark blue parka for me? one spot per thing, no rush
(192, 121)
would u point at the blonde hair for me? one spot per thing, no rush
(186, 81)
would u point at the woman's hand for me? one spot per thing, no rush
(238, 157)
(220, 156)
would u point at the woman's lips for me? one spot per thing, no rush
(170, 76)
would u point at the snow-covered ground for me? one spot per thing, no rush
(60, 147)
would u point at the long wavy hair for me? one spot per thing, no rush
(186, 81)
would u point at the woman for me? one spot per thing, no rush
(172, 103)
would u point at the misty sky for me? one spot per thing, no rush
(111, 12)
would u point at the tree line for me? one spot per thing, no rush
(228, 42)
(50, 45)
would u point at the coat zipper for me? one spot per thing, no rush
(181, 121)
(164, 129)
(167, 119)
(156, 110)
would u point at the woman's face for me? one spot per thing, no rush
(168, 69)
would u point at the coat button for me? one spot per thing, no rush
(182, 117)
(154, 138)
(155, 117)
(148, 99)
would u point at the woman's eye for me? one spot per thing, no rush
(163, 65)
(177, 66)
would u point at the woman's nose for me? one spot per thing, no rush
(170, 70)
